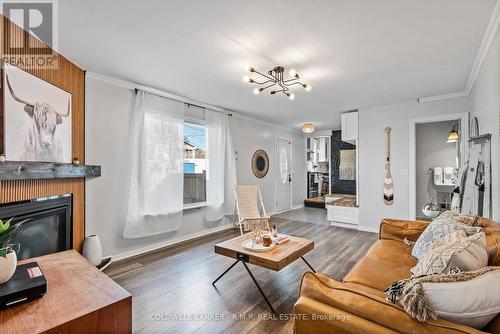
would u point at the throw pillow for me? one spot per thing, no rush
(444, 224)
(468, 298)
(475, 308)
(454, 251)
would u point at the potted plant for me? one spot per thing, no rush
(8, 251)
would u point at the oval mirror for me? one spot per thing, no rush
(260, 163)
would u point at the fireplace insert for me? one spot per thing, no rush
(49, 229)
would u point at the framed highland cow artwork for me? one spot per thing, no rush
(36, 118)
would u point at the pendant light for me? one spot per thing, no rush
(453, 136)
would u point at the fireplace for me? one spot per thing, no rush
(49, 229)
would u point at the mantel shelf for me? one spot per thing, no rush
(21, 170)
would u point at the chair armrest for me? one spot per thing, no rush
(368, 306)
(397, 229)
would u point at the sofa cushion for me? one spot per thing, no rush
(444, 224)
(371, 291)
(393, 251)
(377, 272)
(455, 250)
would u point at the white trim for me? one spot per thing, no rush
(132, 85)
(298, 206)
(193, 206)
(482, 53)
(166, 243)
(464, 129)
(355, 227)
(486, 44)
(344, 225)
(442, 97)
(260, 121)
(289, 140)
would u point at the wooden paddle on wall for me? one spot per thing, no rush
(388, 186)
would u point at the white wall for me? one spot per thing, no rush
(432, 151)
(485, 105)
(249, 136)
(372, 155)
(107, 123)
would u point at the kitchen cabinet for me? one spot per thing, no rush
(350, 127)
(323, 149)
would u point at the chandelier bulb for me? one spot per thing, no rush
(307, 87)
(257, 91)
(293, 73)
(249, 68)
(246, 78)
(291, 96)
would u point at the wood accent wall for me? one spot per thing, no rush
(70, 78)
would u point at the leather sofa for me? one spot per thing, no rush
(359, 305)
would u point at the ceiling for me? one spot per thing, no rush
(354, 53)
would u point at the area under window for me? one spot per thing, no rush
(195, 164)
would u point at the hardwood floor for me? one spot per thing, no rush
(172, 290)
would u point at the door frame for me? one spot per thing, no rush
(276, 159)
(464, 129)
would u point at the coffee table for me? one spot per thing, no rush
(275, 259)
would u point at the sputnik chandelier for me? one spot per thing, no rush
(275, 78)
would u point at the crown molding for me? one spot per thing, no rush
(443, 97)
(260, 121)
(131, 85)
(486, 44)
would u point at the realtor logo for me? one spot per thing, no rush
(38, 19)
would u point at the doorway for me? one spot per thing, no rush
(283, 175)
(435, 160)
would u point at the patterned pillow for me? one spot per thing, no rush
(444, 224)
(455, 251)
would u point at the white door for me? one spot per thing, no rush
(283, 175)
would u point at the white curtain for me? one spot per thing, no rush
(221, 173)
(155, 198)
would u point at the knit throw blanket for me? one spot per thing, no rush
(410, 294)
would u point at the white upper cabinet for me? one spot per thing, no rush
(323, 149)
(350, 127)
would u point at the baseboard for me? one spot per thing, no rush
(169, 243)
(344, 225)
(369, 229)
(298, 206)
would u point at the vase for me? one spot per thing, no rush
(92, 249)
(8, 266)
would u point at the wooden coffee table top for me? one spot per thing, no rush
(276, 259)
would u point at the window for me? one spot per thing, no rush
(195, 163)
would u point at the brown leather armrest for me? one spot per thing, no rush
(397, 229)
(311, 316)
(372, 308)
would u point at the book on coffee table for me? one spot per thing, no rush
(280, 238)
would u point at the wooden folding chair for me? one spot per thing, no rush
(246, 202)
